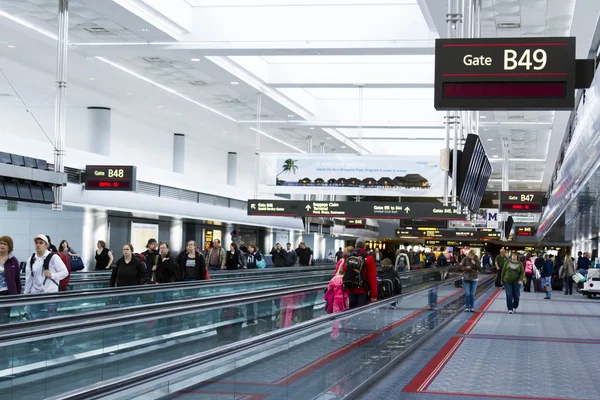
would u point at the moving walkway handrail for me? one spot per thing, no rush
(110, 317)
(22, 299)
(58, 326)
(153, 374)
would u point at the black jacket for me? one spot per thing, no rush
(235, 260)
(290, 258)
(150, 260)
(167, 270)
(199, 272)
(278, 257)
(129, 274)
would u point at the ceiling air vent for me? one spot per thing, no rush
(508, 25)
(97, 30)
(5, 95)
(154, 60)
(198, 83)
(262, 116)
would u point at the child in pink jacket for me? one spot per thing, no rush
(337, 299)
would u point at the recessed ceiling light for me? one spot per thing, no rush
(290, 115)
(237, 137)
(11, 46)
(223, 132)
(145, 30)
(160, 106)
(495, 156)
(311, 128)
(195, 59)
(343, 147)
(178, 114)
(482, 116)
(490, 140)
(91, 79)
(328, 138)
(234, 82)
(508, 25)
(128, 94)
(493, 148)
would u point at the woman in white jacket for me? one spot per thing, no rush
(40, 280)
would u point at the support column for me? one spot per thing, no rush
(232, 168)
(99, 127)
(257, 144)
(179, 153)
(60, 118)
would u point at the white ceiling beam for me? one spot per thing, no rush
(173, 17)
(250, 48)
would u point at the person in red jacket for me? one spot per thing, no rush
(359, 297)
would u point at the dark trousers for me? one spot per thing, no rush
(568, 285)
(358, 300)
(499, 278)
(528, 283)
(512, 295)
(214, 268)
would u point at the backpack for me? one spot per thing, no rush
(388, 284)
(430, 259)
(354, 277)
(402, 262)
(442, 261)
(63, 285)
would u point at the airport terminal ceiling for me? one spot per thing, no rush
(195, 67)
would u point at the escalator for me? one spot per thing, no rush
(40, 359)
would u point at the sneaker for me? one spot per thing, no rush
(472, 310)
(510, 311)
(392, 307)
(467, 310)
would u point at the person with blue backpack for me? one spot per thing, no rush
(255, 258)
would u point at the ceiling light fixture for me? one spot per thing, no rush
(145, 30)
(311, 128)
(290, 115)
(490, 140)
(163, 87)
(92, 78)
(234, 82)
(160, 106)
(195, 59)
(328, 138)
(495, 156)
(11, 46)
(482, 117)
(278, 140)
(508, 25)
(28, 25)
(178, 114)
(343, 147)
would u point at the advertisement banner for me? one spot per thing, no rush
(492, 218)
(404, 176)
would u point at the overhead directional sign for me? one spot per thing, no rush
(525, 230)
(352, 209)
(505, 74)
(521, 202)
(447, 234)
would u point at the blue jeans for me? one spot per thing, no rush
(512, 295)
(547, 281)
(470, 288)
(432, 297)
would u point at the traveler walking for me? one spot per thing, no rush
(567, 272)
(150, 255)
(104, 257)
(528, 273)
(191, 263)
(291, 257)
(470, 267)
(513, 275)
(216, 257)
(499, 263)
(10, 279)
(360, 276)
(278, 255)
(547, 271)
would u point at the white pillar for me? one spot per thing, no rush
(232, 168)
(179, 153)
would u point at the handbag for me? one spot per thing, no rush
(537, 273)
(76, 264)
(261, 263)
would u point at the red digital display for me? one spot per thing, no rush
(109, 184)
(505, 90)
(521, 207)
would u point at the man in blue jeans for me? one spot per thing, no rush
(547, 271)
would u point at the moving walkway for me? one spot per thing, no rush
(45, 358)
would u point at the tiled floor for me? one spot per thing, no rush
(538, 353)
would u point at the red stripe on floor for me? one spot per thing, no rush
(433, 368)
(502, 396)
(490, 300)
(547, 314)
(494, 336)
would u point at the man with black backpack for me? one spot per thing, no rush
(43, 274)
(360, 276)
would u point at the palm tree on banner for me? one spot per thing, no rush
(289, 166)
